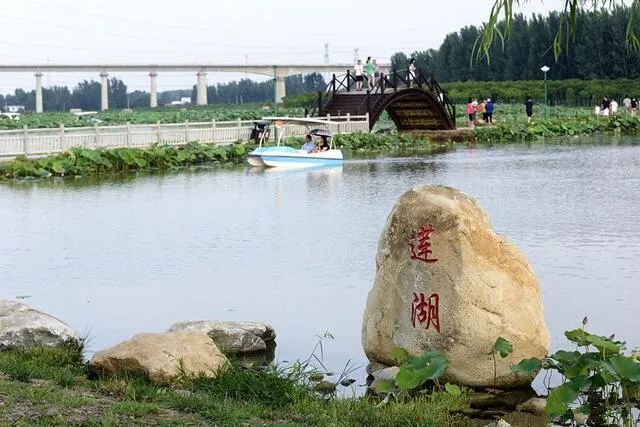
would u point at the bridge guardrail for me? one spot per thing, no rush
(39, 142)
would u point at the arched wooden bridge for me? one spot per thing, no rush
(413, 102)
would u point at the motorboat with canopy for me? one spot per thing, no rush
(288, 157)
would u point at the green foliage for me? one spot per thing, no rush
(598, 379)
(528, 367)
(418, 370)
(361, 141)
(511, 124)
(566, 92)
(600, 40)
(415, 372)
(566, 29)
(502, 347)
(85, 161)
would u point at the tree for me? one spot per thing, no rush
(117, 93)
(86, 95)
(565, 31)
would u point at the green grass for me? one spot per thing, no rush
(32, 393)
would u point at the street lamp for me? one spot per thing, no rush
(545, 70)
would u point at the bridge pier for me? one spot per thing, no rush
(202, 88)
(104, 90)
(153, 99)
(281, 87)
(39, 108)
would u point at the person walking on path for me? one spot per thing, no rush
(471, 112)
(528, 106)
(358, 72)
(626, 102)
(489, 108)
(481, 109)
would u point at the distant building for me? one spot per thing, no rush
(14, 108)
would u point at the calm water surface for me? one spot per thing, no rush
(297, 248)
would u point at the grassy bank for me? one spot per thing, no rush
(48, 387)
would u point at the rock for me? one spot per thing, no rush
(446, 281)
(508, 400)
(386, 374)
(232, 337)
(160, 356)
(24, 327)
(535, 406)
(375, 366)
(499, 423)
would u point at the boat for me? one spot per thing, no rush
(281, 156)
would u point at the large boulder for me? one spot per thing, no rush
(232, 337)
(162, 357)
(24, 327)
(446, 281)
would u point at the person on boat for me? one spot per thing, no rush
(309, 145)
(323, 146)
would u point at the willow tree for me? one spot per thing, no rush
(566, 31)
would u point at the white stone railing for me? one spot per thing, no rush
(39, 142)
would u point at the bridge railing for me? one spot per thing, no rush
(40, 142)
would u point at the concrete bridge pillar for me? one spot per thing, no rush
(39, 108)
(104, 90)
(202, 88)
(281, 87)
(154, 89)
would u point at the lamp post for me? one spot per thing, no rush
(545, 70)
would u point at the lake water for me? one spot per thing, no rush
(297, 248)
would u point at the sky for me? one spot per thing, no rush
(221, 32)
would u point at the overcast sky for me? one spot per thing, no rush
(221, 31)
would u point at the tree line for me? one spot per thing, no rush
(86, 94)
(598, 51)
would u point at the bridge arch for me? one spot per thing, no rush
(412, 109)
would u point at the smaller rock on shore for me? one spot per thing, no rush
(24, 327)
(162, 357)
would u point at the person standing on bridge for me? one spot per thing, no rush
(358, 71)
(370, 70)
(411, 76)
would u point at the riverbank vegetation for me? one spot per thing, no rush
(86, 162)
(52, 386)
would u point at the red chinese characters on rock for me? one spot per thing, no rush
(420, 245)
(426, 311)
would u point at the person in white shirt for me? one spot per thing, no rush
(358, 71)
(412, 71)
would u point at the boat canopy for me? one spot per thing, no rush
(321, 132)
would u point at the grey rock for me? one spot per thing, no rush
(499, 423)
(386, 374)
(535, 405)
(500, 399)
(375, 366)
(24, 327)
(232, 337)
